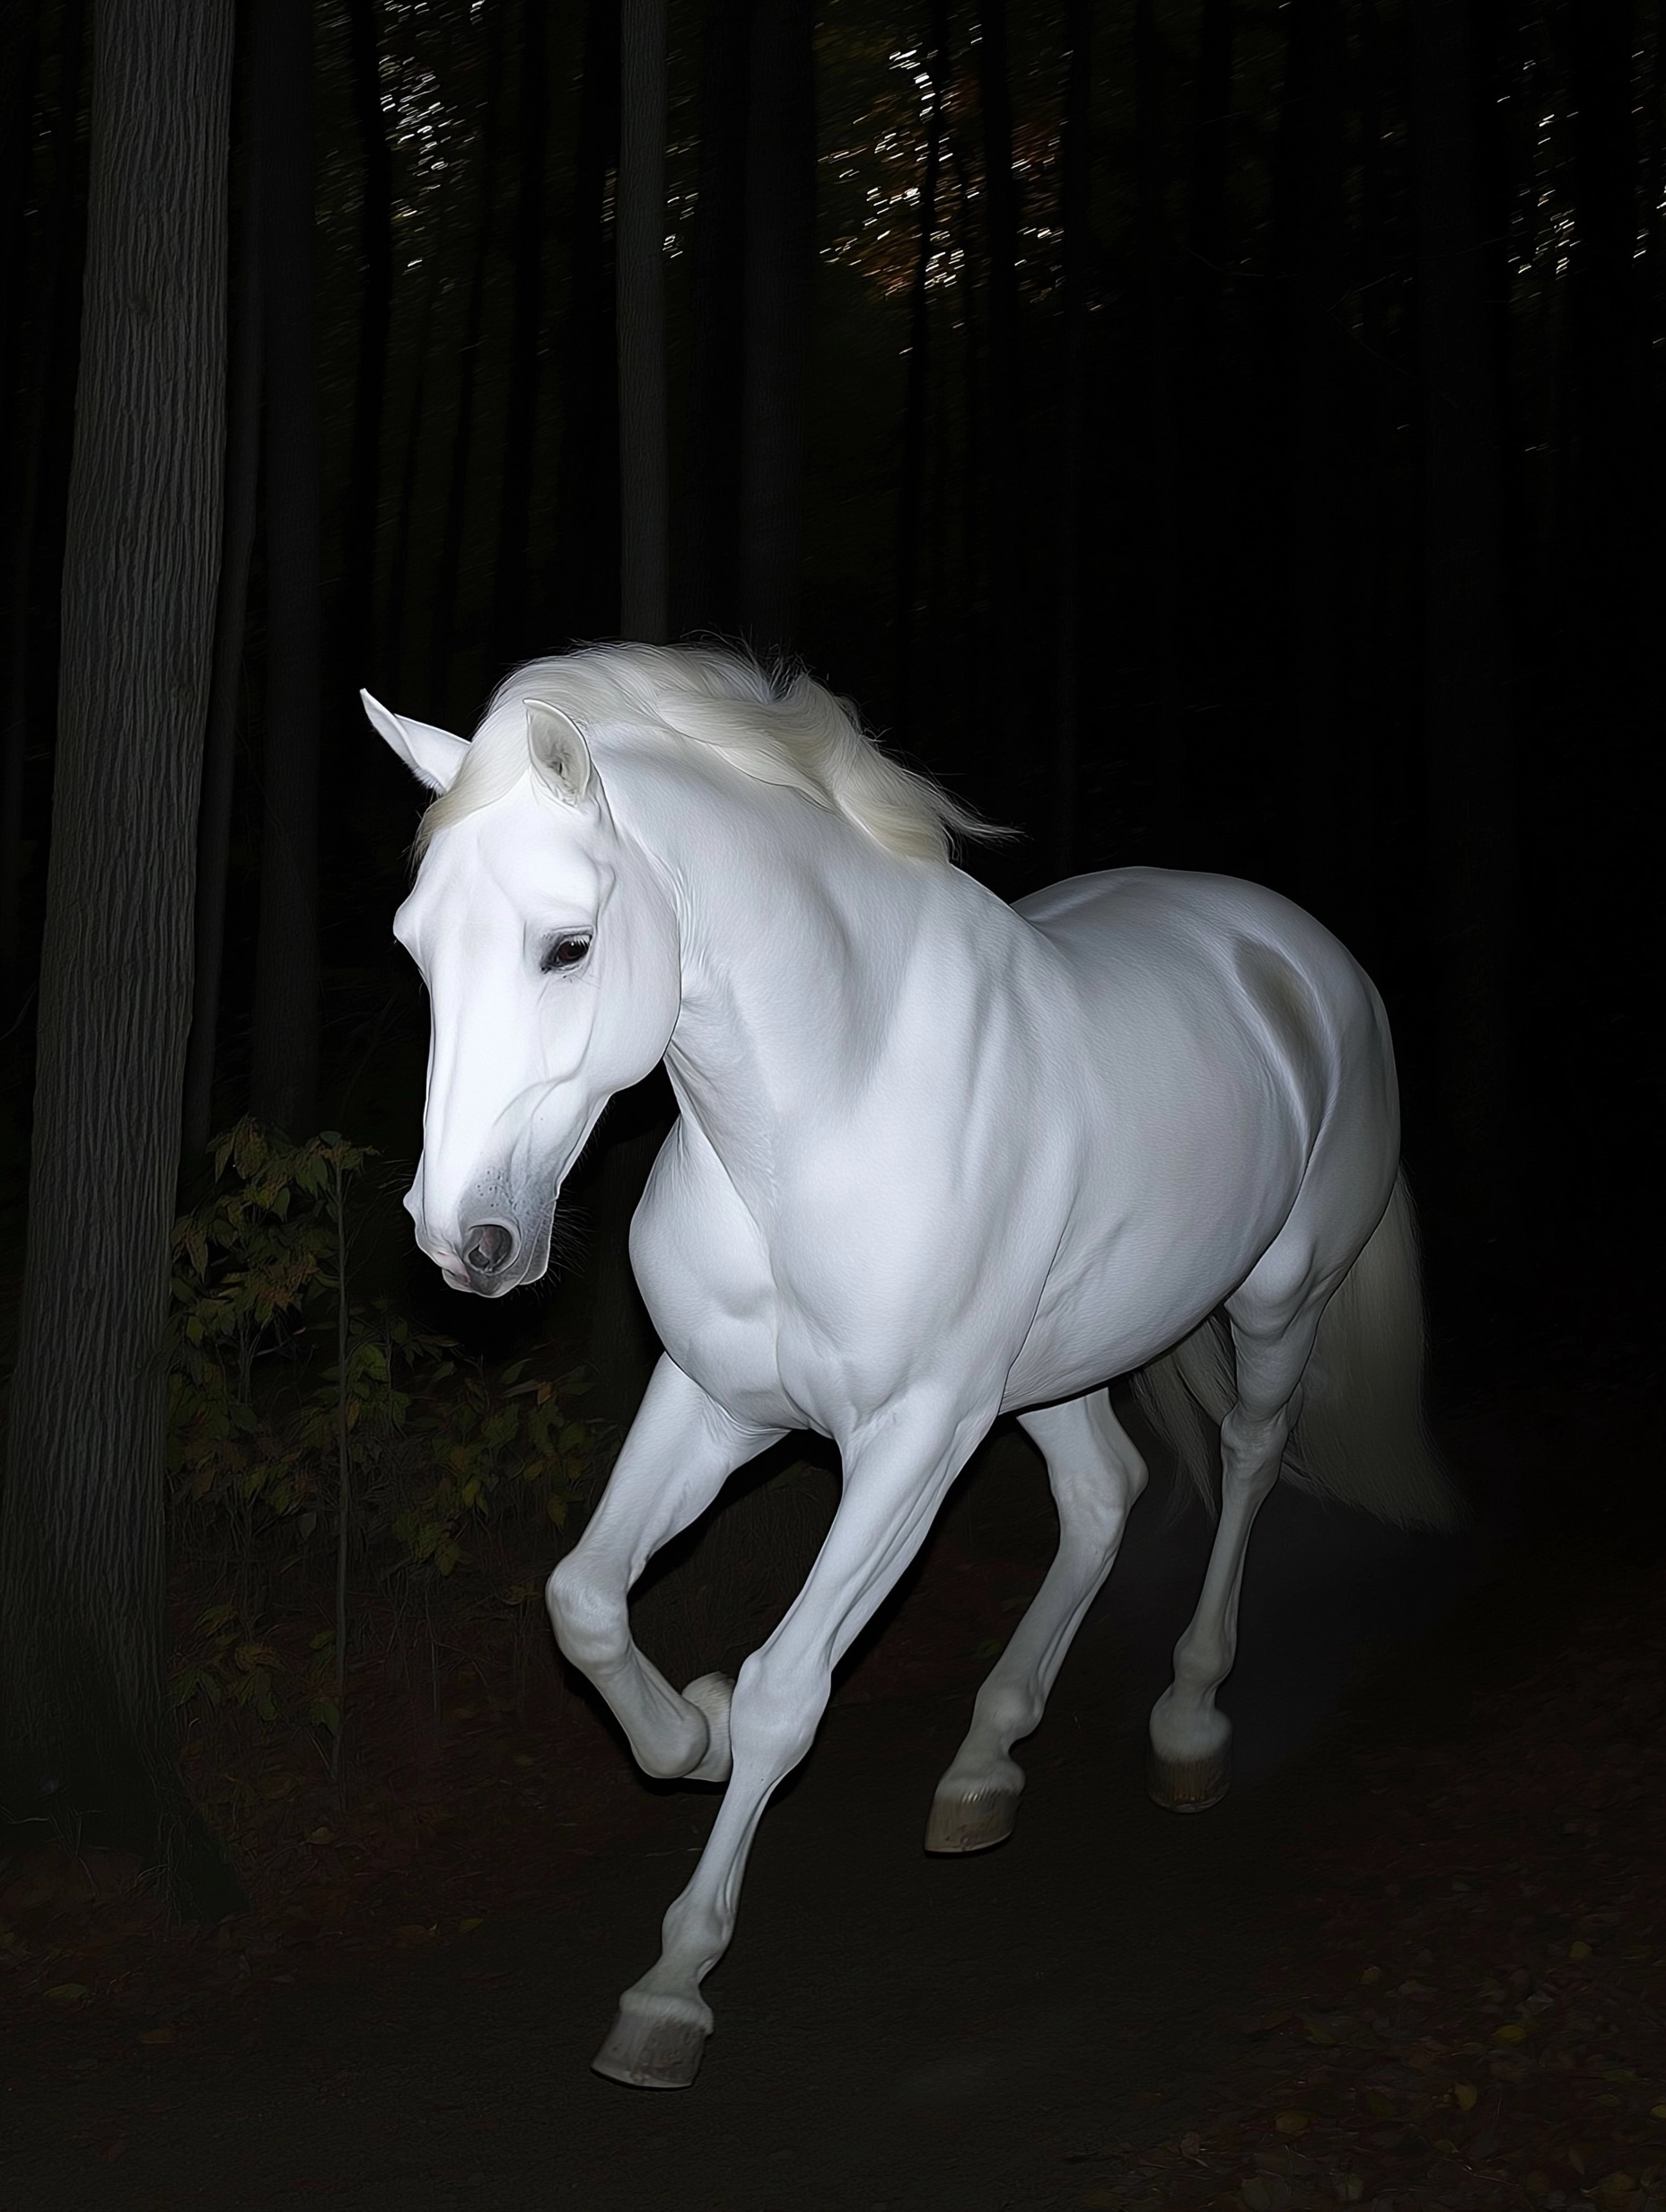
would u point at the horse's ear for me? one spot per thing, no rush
(559, 753)
(433, 756)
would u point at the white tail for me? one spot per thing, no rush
(1361, 1438)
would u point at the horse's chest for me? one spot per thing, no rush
(801, 1327)
(705, 1275)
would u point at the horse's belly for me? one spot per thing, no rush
(1132, 1277)
(1095, 1330)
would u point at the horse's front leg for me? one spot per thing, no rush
(897, 1472)
(681, 1449)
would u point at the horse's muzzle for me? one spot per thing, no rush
(489, 1247)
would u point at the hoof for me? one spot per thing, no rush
(1189, 1785)
(654, 2043)
(971, 1823)
(711, 1693)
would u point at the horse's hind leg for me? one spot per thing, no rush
(1096, 1475)
(1190, 1738)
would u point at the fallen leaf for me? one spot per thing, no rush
(1579, 1951)
(1512, 2031)
(157, 2035)
(468, 1926)
(321, 1835)
(1263, 2023)
(1464, 2091)
(66, 1993)
(1371, 1973)
(1292, 2123)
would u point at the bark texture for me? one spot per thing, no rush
(283, 1080)
(644, 456)
(1466, 641)
(86, 1730)
(780, 261)
(708, 583)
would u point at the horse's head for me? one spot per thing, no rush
(549, 948)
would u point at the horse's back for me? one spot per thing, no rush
(1224, 961)
(1164, 913)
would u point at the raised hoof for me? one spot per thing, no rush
(1189, 1785)
(971, 1823)
(651, 2049)
(712, 1694)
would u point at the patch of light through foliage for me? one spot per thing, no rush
(429, 138)
(876, 137)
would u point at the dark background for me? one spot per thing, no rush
(1224, 435)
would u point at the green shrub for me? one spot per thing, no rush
(398, 1447)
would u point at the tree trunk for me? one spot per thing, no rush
(644, 458)
(1204, 448)
(357, 658)
(1467, 656)
(1611, 534)
(394, 623)
(284, 1080)
(1309, 362)
(88, 1741)
(1076, 156)
(708, 587)
(34, 454)
(1608, 611)
(510, 574)
(780, 262)
(1173, 788)
(20, 54)
(911, 489)
(447, 572)
(1002, 398)
(214, 831)
(584, 582)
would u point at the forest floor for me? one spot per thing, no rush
(1418, 1959)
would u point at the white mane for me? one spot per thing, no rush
(778, 728)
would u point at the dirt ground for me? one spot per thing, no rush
(1414, 1960)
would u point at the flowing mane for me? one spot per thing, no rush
(777, 727)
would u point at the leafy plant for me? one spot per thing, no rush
(272, 1440)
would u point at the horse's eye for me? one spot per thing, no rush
(564, 952)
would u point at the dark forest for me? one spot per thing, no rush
(1224, 435)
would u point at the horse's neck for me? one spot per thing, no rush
(799, 935)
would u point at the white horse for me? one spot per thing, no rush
(937, 1157)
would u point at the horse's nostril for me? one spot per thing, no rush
(489, 1247)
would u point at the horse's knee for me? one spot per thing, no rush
(589, 1623)
(776, 1711)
